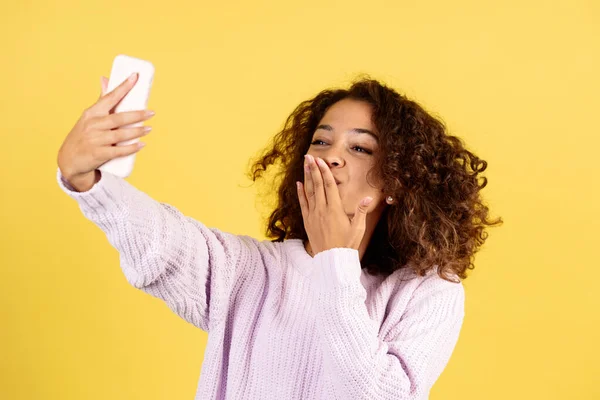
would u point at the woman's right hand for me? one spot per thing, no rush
(93, 139)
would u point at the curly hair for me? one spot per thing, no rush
(438, 218)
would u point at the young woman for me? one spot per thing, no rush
(357, 296)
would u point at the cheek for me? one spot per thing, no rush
(358, 186)
(358, 182)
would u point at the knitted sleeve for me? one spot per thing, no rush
(164, 253)
(361, 362)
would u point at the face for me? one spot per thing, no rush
(347, 141)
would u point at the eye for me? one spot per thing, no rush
(360, 149)
(363, 150)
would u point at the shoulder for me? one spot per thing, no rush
(426, 294)
(434, 285)
(418, 306)
(430, 283)
(261, 252)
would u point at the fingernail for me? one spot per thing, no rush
(367, 201)
(147, 129)
(149, 113)
(132, 77)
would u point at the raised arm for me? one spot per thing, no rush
(164, 253)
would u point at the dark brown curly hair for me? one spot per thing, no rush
(438, 217)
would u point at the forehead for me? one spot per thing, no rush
(348, 114)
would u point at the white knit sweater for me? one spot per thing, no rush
(281, 324)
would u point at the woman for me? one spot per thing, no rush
(357, 296)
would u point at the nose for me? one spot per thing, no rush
(332, 158)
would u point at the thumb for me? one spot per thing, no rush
(359, 222)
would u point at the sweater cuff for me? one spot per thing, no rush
(336, 268)
(106, 193)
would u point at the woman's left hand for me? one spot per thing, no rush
(325, 220)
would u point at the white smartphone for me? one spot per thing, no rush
(136, 99)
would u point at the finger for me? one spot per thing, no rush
(332, 194)
(107, 153)
(359, 222)
(111, 99)
(317, 179)
(101, 89)
(119, 119)
(308, 184)
(302, 200)
(122, 135)
(104, 84)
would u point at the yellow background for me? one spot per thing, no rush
(518, 81)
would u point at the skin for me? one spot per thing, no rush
(333, 216)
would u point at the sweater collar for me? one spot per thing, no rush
(298, 255)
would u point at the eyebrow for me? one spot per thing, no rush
(355, 130)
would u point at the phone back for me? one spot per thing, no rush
(136, 99)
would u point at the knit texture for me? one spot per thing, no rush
(281, 324)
